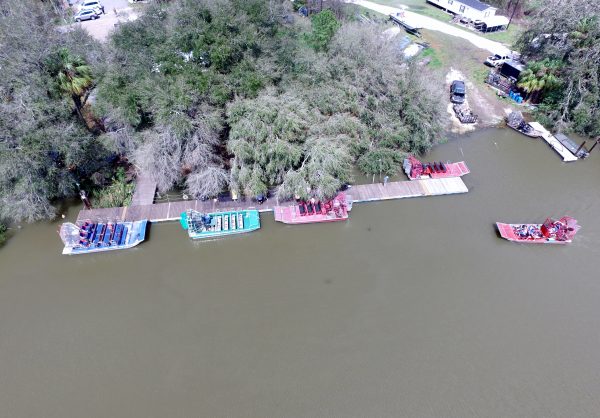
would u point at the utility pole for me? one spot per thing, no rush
(513, 13)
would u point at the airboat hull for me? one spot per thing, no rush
(546, 233)
(307, 213)
(131, 234)
(531, 134)
(222, 223)
(416, 170)
(507, 231)
(291, 215)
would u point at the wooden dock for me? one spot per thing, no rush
(554, 143)
(171, 211)
(145, 189)
(403, 189)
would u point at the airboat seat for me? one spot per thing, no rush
(123, 236)
(302, 209)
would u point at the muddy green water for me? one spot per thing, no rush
(413, 308)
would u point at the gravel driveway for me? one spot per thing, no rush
(100, 28)
(434, 24)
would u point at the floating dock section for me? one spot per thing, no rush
(171, 211)
(554, 143)
(404, 189)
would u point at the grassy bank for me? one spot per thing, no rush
(3, 233)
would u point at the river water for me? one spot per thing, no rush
(413, 308)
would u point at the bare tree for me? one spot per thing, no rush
(207, 182)
(160, 156)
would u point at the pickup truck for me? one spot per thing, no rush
(496, 60)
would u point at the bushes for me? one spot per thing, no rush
(44, 148)
(119, 193)
(3, 235)
(324, 26)
(231, 94)
(563, 46)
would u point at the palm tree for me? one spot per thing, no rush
(73, 76)
(539, 77)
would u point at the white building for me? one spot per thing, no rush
(471, 9)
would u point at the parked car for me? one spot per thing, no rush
(496, 60)
(458, 91)
(89, 14)
(93, 5)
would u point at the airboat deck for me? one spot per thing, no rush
(218, 224)
(549, 232)
(89, 237)
(554, 143)
(453, 170)
(315, 211)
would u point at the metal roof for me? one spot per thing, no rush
(475, 4)
(515, 64)
(493, 21)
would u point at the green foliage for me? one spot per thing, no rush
(44, 149)
(540, 77)
(563, 43)
(118, 193)
(293, 110)
(381, 161)
(72, 75)
(353, 103)
(324, 27)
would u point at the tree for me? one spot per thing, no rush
(540, 77)
(72, 75)
(44, 150)
(324, 26)
(291, 106)
(567, 32)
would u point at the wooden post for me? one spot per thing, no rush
(595, 143)
(85, 200)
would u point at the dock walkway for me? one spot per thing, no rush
(553, 142)
(145, 189)
(171, 211)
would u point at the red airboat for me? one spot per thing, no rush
(416, 170)
(313, 210)
(550, 232)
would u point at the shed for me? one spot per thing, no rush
(471, 9)
(512, 69)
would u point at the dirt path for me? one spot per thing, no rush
(427, 22)
(489, 110)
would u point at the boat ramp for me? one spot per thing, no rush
(171, 211)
